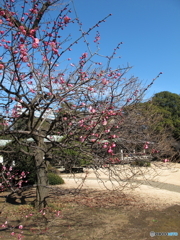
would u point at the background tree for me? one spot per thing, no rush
(169, 105)
(166, 105)
(35, 84)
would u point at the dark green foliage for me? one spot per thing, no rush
(169, 105)
(54, 179)
(169, 101)
(141, 163)
(23, 162)
(79, 158)
(75, 156)
(3, 126)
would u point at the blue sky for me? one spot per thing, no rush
(150, 32)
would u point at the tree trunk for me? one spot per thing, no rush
(42, 192)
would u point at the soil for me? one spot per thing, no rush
(90, 212)
(160, 183)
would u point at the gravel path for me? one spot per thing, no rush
(163, 186)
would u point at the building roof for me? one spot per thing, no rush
(53, 138)
(50, 138)
(4, 142)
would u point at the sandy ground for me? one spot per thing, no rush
(157, 184)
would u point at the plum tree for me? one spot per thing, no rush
(38, 82)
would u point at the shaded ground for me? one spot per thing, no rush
(88, 215)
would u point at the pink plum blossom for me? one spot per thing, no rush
(66, 19)
(1, 66)
(35, 45)
(104, 122)
(32, 32)
(82, 139)
(166, 160)
(36, 40)
(32, 90)
(104, 81)
(20, 226)
(110, 150)
(113, 136)
(145, 146)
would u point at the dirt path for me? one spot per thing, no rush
(161, 183)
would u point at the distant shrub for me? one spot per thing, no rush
(55, 179)
(141, 163)
(75, 155)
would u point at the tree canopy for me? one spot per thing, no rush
(168, 104)
(38, 79)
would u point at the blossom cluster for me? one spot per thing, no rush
(11, 179)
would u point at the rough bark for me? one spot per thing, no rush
(42, 192)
